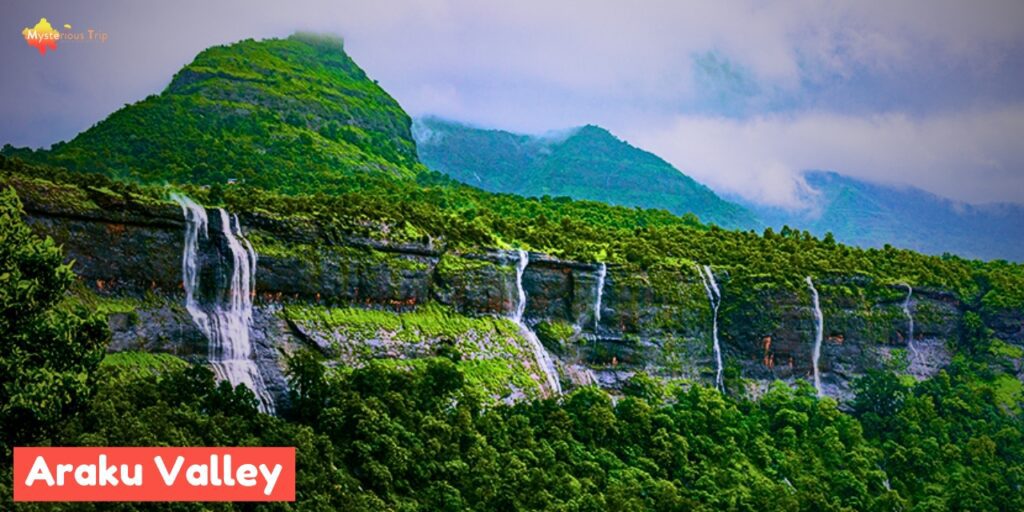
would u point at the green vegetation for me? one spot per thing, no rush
(451, 265)
(949, 442)
(1002, 276)
(426, 322)
(652, 249)
(133, 365)
(380, 439)
(292, 115)
(1001, 348)
(82, 296)
(456, 217)
(495, 358)
(586, 163)
(1009, 392)
(555, 334)
(417, 435)
(47, 352)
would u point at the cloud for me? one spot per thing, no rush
(972, 156)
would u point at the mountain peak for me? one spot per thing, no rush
(294, 114)
(593, 130)
(588, 162)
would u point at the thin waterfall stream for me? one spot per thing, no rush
(540, 353)
(818, 335)
(715, 298)
(913, 356)
(602, 273)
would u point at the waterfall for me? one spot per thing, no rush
(818, 327)
(601, 273)
(195, 223)
(911, 349)
(540, 353)
(910, 317)
(227, 319)
(715, 298)
(910, 324)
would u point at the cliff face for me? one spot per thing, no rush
(658, 320)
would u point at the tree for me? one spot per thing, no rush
(308, 392)
(879, 397)
(975, 336)
(48, 351)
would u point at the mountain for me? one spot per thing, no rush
(873, 215)
(293, 114)
(414, 336)
(584, 163)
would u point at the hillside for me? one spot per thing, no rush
(428, 345)
(873, 215)
(585, 163)
(376, 340)
(293, 115)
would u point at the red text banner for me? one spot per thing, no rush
(154, 474)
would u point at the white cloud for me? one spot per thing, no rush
(972, 156)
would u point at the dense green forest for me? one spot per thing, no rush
(381, 439)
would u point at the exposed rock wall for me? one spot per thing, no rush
(656, 320)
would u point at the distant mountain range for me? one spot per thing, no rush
(591, 163)
(583, 163)
(872, 215)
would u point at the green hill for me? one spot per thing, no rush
(587, 163)
(293, 115)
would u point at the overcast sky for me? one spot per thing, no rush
(740, 95)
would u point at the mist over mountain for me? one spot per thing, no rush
(583, 163)
(872, 215)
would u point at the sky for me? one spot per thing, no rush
(742, 96)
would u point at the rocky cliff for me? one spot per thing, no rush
(358, 299)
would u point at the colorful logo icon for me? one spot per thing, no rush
(42, 36)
